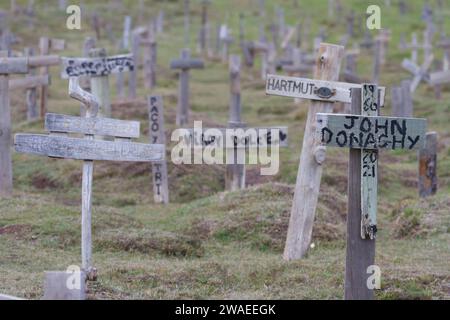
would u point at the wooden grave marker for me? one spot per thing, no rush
(10, 66)
(184, 64)
(150, 58)
(323, 91)
(88, 149)
(428, 166)
(158, 136)
(365, 132)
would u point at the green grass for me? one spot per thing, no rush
(207, 243)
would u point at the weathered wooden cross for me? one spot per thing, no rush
(59, 145)
(365, 132)
(323, 93)
(98, 67)
(10, 66)
(185, 63)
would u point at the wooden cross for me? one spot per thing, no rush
(98, 66)
(158, 136)
(13, 66)
(420, 73)
(184, 64)
(88, 149)
(150, 58)
(46, 46)
(323, 93)
(365, 132)
(235, 174)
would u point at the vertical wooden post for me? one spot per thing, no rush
(6, 176)
(376, 61)
(158, 136)
(100, 87)
(235, 176)
(44, 47)
(183, 94)
(407, 101)
(204, 23)
(150, 57)
(428, 166)
(31, 93)
(360, 253)
(311, 159)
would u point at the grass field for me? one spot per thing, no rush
(208, 243)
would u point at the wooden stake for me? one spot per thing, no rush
(158, 136)
(44, 48)
(311, 159)
(428, 166)
(31, 93)
(235, 176)
(360, 252)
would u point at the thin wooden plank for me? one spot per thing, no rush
(369, 168)
(75, 67)
(43, 61)
(81, 149)
(94, 126)
(305, 88)
(158, 136)
(439, 77)
(362, 132)
(6, 180)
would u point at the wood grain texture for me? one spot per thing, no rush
(369, 168)
(13, 65)
(360, 253)
(80, 149)
(310, 169)
(94, 126)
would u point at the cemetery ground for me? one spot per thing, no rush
(208, 243)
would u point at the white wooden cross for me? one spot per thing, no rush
(365, 132)
(420, 73)
(59, 145)
(323, 94)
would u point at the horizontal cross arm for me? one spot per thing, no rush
(313, 89)
(94, 126)
(13, 65)
(187, 64)
(370, 132)
(83, 149)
